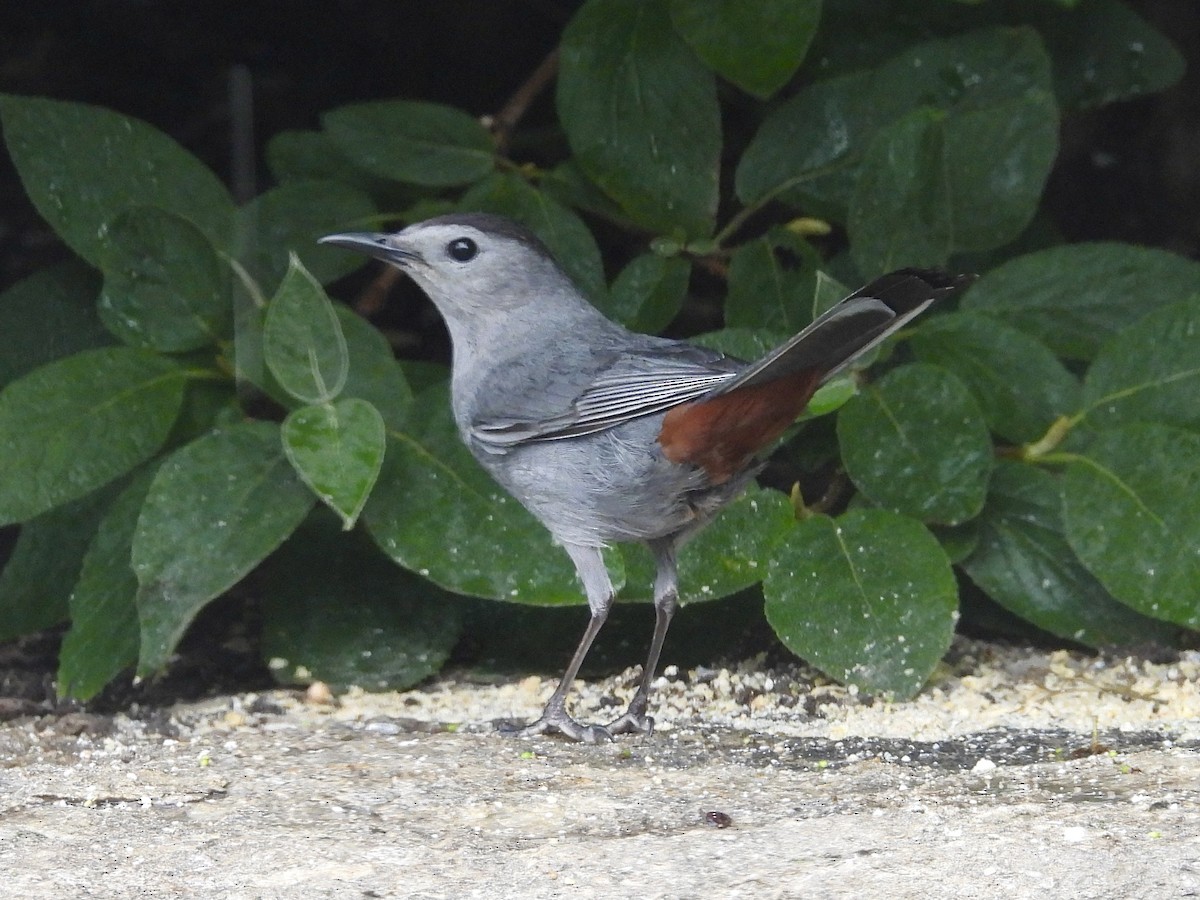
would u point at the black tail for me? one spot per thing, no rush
(852, 326)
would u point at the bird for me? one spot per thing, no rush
(607, 435)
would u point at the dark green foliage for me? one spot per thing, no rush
(348, 616)
(170, 417)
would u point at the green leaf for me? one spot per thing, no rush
(772, 283)
(723, 558)
(831, 396)
(73, 425)
(336, 610)
(436, 512)
(980, 70)
(419, 143)
(997, 161)
(82, 166)
(422, 374)
(902, 213)
(374, 374)
(48, 316)
(103, 638)
(732, 553)
(1104, 52)
(758, 46)
(1024, 563)
(641, 115)
(932, 185)
(217, 507)
(303, 344)
(747, 344)
(165, 288)
(568, 184)
(41, 571)
(1132, 511)
(963, 127)
(295, 155)
(337, 450)
(290, 218)
(1075, 298)
(560, 229)
(917, 443)
(959, 541)
(1020, 384)
(819, 135)
(1149, 372)
(649, 292)
(869, 599)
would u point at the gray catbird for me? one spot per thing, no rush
(606, 435)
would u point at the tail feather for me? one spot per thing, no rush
(852, 326)
(721, 431)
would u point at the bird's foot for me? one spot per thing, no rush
(635, 720)
(632, 722)
(556, 721)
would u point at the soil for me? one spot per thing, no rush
(1017, 772)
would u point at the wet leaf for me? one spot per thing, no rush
(1019, 383)
(337, 450)
(303, 344)
(336, 610)
(289, 219)
(1150, 371)
(374, 374)
(165, 288)
(772, 283)
(103, 638)
(1024, 563)
(217, 507)
(641, 114)
(649, 292)
(1104, 52)
(1131, 506)
(40, 572)
(77, 165)
(917, 443)
(419, 143)
(758, 46)
(76, 424)
(746, 344)
(1075, 298)
(816, 137)
(47, 316)
(868, 598)
(901, 213)
(944, 147)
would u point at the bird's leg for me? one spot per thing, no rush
(554, 718)
(666, 601)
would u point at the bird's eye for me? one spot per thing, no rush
(462, 249)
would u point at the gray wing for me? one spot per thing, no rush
(629, 384)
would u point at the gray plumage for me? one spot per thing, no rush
(569, 411)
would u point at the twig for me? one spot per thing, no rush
(374, 295)
(503, 122)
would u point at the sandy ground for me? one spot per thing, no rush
(1016, 773)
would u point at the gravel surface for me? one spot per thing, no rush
(1015, 773)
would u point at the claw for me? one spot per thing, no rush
(558, 722)
(632, 723)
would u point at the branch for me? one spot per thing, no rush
(374, 295)
(503, 122)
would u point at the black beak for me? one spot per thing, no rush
(378, 246)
